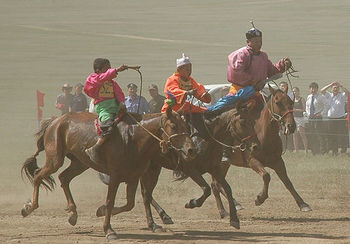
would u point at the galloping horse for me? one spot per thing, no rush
(277, 111)
(233, 125)
(127, 155)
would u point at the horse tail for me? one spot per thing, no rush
(30, 167)
(179, 175)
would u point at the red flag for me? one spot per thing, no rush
(348, 117)
(40, 102)
(40, 98)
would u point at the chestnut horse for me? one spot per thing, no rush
(233, 126)
(277, 112)
(127, 155)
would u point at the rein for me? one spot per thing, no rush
(162, 143)
(242, 146)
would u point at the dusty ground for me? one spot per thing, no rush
(47, 43)
(322, 184)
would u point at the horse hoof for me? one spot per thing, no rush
(157, 228)
(167, 220)
(24, 212)
(305, 208)
(101, 211)
(235, 224)
(111, 236)
(73, 219)
(259, 201)
(239, 206)
(224, 214)
(191, 204)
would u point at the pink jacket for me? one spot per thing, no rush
(245, 69)
(96, 81)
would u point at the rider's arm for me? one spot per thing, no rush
(238, 66)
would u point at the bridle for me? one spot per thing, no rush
(242, 146)
(275, 116)
(164, 144)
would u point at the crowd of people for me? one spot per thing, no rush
(320, 119)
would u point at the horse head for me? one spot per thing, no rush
(241, 126)
(175, 136)
(281, 110)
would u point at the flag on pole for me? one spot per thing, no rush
(40, 103)
(348, 117)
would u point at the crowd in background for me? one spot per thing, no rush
(320, 117)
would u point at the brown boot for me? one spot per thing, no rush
(94, 151)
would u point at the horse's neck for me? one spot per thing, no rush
(218, 127)
(266, 126)
(148, 128)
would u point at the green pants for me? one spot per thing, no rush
(107, 109)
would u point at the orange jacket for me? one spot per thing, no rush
(174, 92)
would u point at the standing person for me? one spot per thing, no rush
(157, 101)
(64, 100)
(133, 100)
(299, 109)
(316, 106)
(336, 114)
(108, 99)
(79, 101)
(180, 85)
(283, 86)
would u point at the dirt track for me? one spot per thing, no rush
(277, 220)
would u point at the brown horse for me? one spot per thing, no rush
(277, 112)
(127, 155)
(231, 126)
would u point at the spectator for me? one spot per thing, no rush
(283, 86)
(336, 115)
(316, 105)
(133, 100)
(79, 101)
(157, 101)
(299, 109)
(64, 100)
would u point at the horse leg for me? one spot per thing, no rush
(130, 203)
(257, 166)
(74, 169)
(218, 176)
(148, 182)
(112, 190)
(197, 177)
(281, 171)
(53, 163)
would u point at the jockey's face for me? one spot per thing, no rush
(255, 43)
(185, 71)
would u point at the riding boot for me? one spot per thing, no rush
(94, 152)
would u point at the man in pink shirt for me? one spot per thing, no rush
(249, 66)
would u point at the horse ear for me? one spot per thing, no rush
(272, 91)
(169, 112)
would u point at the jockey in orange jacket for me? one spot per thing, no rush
(180, 85)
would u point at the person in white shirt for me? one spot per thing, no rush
(316, 105)
(336, 114)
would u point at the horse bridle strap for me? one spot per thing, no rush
(242, 146)
(276, 116)
(162, 143)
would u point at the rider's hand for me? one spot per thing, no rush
(287, 63)
(192, 92)
(121, 68)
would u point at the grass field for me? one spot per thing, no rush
(47, 43)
